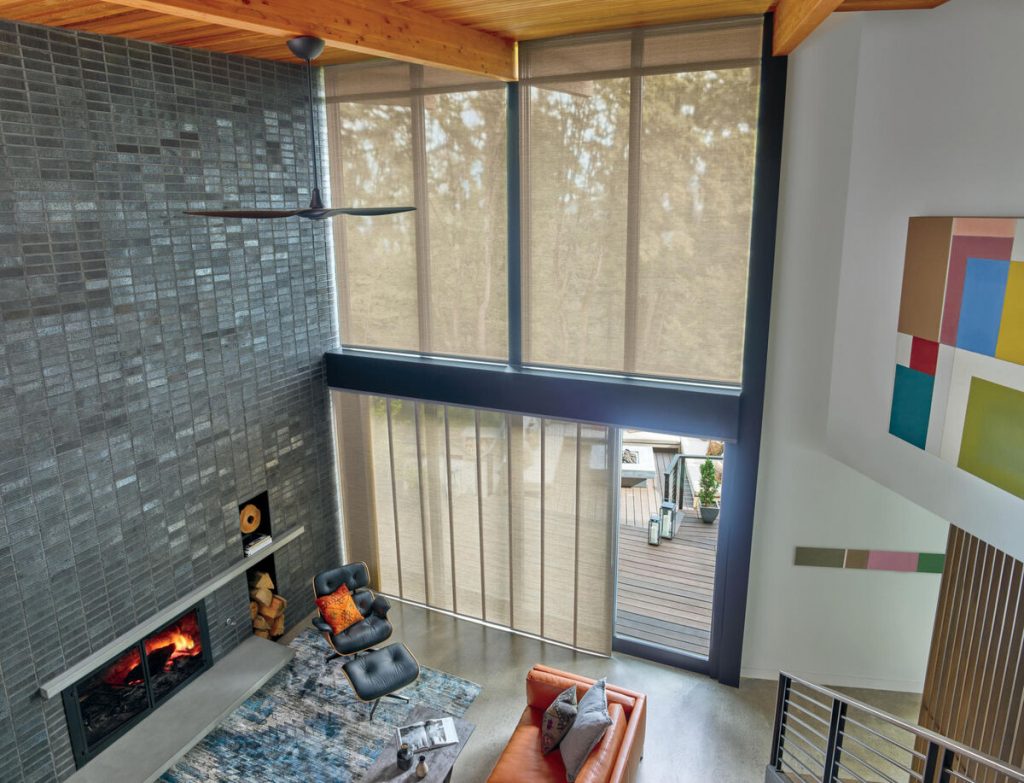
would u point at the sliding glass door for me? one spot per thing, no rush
(667, 536)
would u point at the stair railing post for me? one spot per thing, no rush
(680, 481)
(836, 725)
(781, 711)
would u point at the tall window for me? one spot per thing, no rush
(434, 280)
(638, 174)
(630, 242)
(496, 516)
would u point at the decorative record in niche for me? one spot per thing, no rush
(249, 519)
(254, 523)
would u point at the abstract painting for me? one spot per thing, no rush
(958, 390)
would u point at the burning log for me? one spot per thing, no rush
(159, 658)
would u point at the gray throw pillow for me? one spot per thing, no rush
(592, 719)
(557, 719)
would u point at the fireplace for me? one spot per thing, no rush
(107, 702)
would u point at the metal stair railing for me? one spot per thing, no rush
(823, 736)
(674, 477)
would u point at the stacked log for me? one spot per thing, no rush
(265, 607)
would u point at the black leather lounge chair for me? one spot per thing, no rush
(373, 629)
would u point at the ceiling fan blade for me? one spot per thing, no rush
(306, 48)
(328, 212)
(246, 213)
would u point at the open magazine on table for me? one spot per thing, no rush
(428, 734)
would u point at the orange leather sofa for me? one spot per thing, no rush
(616, 756)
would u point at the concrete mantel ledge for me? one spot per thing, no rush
(55, 685)
(148, 749)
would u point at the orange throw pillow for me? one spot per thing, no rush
(339, 610)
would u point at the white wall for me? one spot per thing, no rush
(938, 131)
(844, 627)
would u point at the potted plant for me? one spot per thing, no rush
(707, 495)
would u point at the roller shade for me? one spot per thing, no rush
(434, 280)
(638, 151)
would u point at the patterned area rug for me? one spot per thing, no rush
(307, 725)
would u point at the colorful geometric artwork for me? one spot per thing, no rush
(870, 559)
(993, 433)
(911, 403)
(1010, 347)
(958, 389)
(981, 305)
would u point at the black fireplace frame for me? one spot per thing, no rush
(81, 749)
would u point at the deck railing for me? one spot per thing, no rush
(822, 735)
(674, 478)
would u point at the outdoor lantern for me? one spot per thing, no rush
(654, 530)
(668, 515)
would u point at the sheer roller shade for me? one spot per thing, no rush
(638, 176)
(495, 516)
(434, 280)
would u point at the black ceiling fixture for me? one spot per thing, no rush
(307, 48)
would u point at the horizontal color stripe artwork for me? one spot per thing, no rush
(871, 559)
(958, 387)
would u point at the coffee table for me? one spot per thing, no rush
(441, 762)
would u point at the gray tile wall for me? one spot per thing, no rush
(155, 369)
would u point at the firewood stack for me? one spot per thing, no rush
(266, 607)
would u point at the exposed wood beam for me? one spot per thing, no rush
(376, 27)
(797, 19)
(889, 5)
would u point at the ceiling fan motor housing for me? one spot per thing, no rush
(306, 47)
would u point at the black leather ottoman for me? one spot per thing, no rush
(379, 673)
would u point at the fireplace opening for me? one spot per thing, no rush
(110, 700)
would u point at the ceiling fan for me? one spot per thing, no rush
(307, 48)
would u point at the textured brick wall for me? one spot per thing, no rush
(155, 369)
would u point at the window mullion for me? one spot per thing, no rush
(517, 185)
(629, 343)
(419, 170)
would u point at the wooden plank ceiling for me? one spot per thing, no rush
(477, 36)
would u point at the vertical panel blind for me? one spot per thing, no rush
(433, 280)
(495, 516)
(638, 152)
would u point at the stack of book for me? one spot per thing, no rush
(258, 543)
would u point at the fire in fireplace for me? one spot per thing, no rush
(105, 704)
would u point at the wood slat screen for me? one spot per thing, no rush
(974, 686)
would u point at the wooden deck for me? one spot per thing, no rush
(664, 592)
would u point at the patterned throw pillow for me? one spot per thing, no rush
(557, 719)
(592, 719)
(339, 610)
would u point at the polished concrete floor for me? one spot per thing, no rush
(697, 730)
